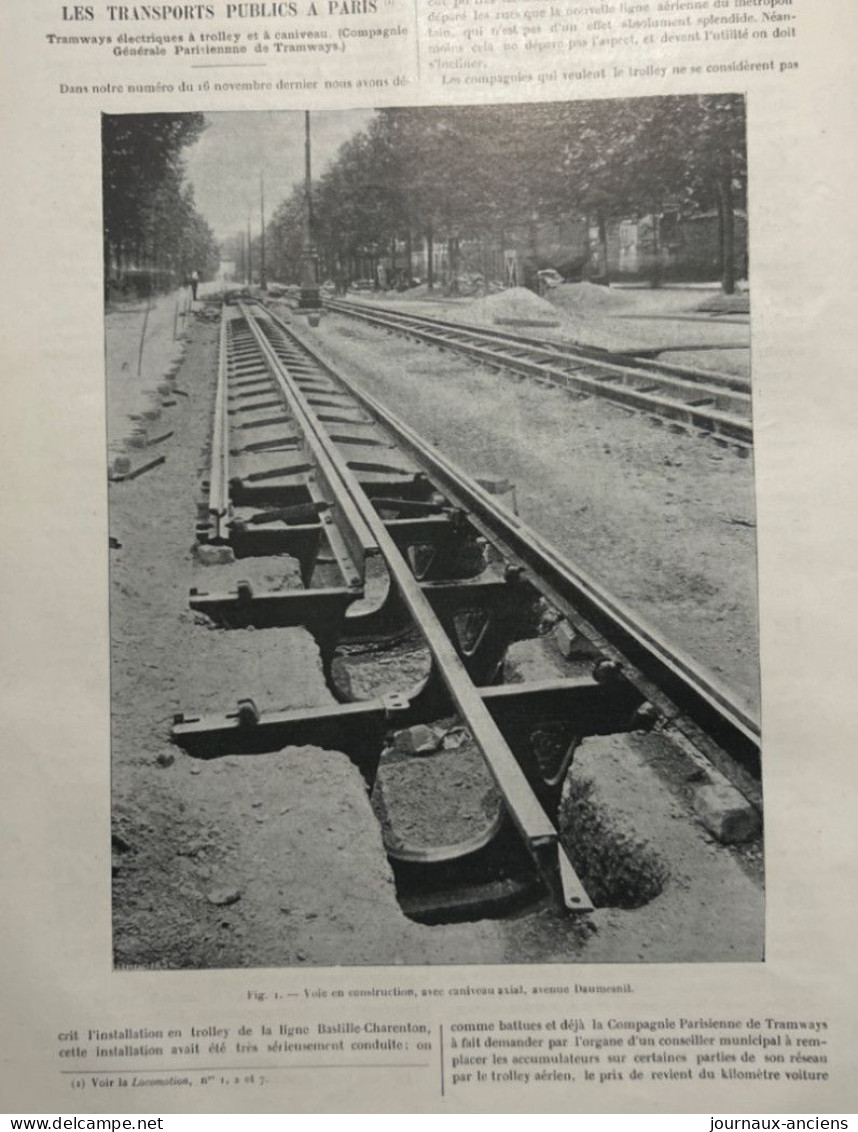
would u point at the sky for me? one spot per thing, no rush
(224, 166)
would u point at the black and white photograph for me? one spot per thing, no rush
(432, 536)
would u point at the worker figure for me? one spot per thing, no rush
(195, 282)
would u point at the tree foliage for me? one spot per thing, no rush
(151, 221)
(470, 172)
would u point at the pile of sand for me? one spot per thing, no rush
(518, 303)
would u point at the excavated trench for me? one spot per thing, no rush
(434, 788)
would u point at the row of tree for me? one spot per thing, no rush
(478, 172)
(153, 233)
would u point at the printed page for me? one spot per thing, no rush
(426, 585)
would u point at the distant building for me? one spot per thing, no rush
(669, 246)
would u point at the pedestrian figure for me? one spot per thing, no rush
(195, 282)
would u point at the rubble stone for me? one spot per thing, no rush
(209, 554)
(417, 740)
(501, 487)
(223, 896)
(566, 639)
(726, 814)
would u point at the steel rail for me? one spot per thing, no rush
(612, 380)
(677, 675)
(343, 522)
(218, 504)
(530, 819)
(571, 348)
(695, 700)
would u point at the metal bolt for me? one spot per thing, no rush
(646, 716)
(606, 670)
(248, 713)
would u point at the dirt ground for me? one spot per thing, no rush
(278, 859)
(142, 342)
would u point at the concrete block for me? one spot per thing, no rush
(567, 639)
(211, 554)
(139, 438)
(494, 485)
(500, 487)
(727, 815)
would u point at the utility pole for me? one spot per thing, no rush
(310, 300)
(249, 254)
(263, 281)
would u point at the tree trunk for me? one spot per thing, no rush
(655, 274)
(531, 276)
(726, 234)
(603, 246)
(430, 259)
(503, 267)
(453, 261)
(597, 262)
(409, 266)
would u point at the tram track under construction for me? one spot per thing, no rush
(397, 552)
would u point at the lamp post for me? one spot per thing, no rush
(249, 264)
(310, 300)
(263, 278)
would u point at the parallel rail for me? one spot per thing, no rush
(535, 828)
(669, 673)
(714, 403)
(218, 501)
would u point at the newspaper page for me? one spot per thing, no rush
(429, 459)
